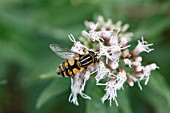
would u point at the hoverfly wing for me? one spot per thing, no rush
(62, 52)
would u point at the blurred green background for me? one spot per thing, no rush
(27, 27)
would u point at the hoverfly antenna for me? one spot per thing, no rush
(71, 37)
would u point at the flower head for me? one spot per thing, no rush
(77, 87)
(116, 64)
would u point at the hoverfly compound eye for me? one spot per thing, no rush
(85, 50)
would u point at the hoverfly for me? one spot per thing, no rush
(74, 62)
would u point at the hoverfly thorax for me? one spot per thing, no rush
(94, 56)
(74, 62)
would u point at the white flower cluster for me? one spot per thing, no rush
(110, 42)
(77, 87)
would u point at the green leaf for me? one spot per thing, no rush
(113, 109)
(123, 101)
(158, 93)
(2, 82)
(95, 105)
(50, 74)
(149, 27)
(160, 56)
(56, 88)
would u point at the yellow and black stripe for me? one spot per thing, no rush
(68, 68)
(86, 60)
(78, 64)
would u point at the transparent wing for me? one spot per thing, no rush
(62, 52)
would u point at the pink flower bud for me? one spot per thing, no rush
(136, 63)
(113, 65)
(125, 27)
(100, 19)
(138, 68)
(130, 82)
(84, 33)
(127, 62)
(153, 66)
(123, 41)
(138, 59)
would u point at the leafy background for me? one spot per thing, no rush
(27, 65)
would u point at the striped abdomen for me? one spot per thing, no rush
(69, 68)
(75, 65)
